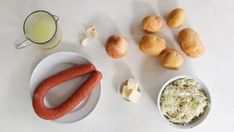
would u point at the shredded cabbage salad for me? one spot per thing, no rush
(183, 100)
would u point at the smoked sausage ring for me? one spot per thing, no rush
(84, 90)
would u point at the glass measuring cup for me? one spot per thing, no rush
(40, 28)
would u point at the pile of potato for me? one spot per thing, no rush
(154, 45)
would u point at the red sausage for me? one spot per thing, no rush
(84, 90)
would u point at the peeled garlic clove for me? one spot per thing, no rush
(84, 41)
(92, 31)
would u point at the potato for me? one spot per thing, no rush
(152, 24)
(171, 59)
(190, 43)
(151, 44)
(175, 18)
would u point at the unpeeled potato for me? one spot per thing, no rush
(171, 59)
(151, 44)
(190, 43)
(152, 24)
(175, 18)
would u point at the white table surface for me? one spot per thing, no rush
(213, 19)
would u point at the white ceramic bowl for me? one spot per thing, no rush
(199, 119)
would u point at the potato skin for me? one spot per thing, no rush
(151, 44)
(152, 24)
(175, 18)
(190, 43)
(171, 59)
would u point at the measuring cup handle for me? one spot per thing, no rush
(22, 43)
(56, 18)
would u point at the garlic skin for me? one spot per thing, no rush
(116, 46)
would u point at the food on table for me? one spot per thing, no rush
(175, 18)
(171, 59)
(84, 40)
(133, 83)
(83, 91)
(89, 31)
(151, 44)
(133, 96)
(190, 43)
(125, 91)
(90, 28)
(131, 91)
(152, 24)
(183, 100)
(92, 31)
(116, 46)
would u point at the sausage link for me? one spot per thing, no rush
(84, 90)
